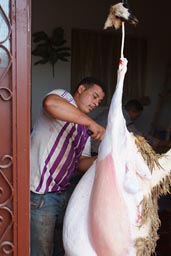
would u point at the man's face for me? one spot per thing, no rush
(134, 115)
(89, 98)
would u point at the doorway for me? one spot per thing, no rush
(14, 126)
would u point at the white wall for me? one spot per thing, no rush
(47, 15)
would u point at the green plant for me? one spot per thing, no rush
(50, 49)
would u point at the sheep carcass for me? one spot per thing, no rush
(113, 210)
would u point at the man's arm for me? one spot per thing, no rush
(61, 109)
(85, 162)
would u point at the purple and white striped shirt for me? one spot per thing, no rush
(56, 147)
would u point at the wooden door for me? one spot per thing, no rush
(14, 126)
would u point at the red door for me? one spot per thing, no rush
(14, 126)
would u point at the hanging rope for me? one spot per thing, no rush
(123, 33)
(123, 40)
(118, 15)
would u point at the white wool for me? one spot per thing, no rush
(120, 11)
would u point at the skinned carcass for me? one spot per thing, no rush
(113, 210)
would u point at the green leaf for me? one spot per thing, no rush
(51, 49)
(41, 62)
(63, 54)
(58, 36)
(59, 49)
(64, 59)
(41, 50)
(40, 36)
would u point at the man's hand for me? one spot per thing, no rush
(97, 131)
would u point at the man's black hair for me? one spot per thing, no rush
(134, 105)
(89, 81)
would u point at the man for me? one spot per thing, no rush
(60, 145)
(131, 111)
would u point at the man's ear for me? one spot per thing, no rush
(81, 88)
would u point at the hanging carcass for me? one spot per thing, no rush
(114, 208)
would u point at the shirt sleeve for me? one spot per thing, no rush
(64, 94)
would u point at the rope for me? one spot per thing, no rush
(123, 40)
